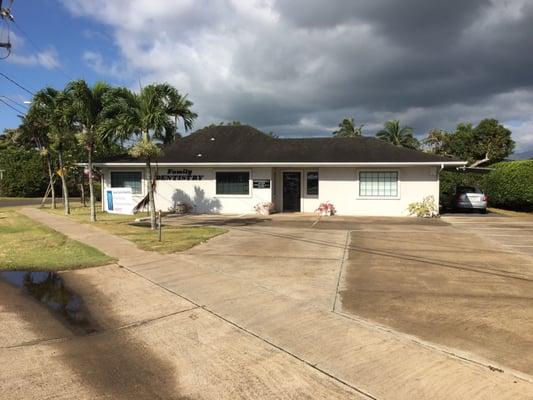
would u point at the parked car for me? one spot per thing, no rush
(470, 198)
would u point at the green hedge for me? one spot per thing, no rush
(508, 186)
(24, 173)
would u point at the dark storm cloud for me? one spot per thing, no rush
(299, 66)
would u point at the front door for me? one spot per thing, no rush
(291, 191)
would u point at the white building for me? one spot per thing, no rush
(230, 169)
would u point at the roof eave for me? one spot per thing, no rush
(284, 164)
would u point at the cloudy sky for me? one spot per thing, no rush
(294, 67)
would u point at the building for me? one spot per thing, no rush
(230, 169)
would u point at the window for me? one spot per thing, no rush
(131, 179)
(378, 184)
(233, 183)
(312, 183)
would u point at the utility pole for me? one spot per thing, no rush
(7, 17)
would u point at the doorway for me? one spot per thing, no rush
(291, 191)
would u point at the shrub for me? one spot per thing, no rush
(427, 208)
(24, 173)
(510, 185)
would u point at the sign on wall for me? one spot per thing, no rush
(119, 200)
(179, 175)
(261, 183)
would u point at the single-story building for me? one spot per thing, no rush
(231, 169)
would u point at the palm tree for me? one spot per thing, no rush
(151, 116)
(33, 131)
(347, 128)
(394, 134)
(436, 141)
(54, 107)
(87, 105)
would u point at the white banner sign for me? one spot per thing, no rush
(119, 201)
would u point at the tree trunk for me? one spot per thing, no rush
(51, 178)
(63, 183)
(82, 192)
(151, 194)
(479, 162)
(91, 183)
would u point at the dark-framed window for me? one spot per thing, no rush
(312, 183)
(378, 184)
(132, 179)
(233, 182)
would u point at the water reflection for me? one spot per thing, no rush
(49, 289)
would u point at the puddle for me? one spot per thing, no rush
(49, 289)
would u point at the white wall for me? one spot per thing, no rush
(339, 185)
(202, 193)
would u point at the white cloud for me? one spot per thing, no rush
(96, 62)
(47, 58)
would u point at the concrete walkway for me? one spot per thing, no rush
(364, 358)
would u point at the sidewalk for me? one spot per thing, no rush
(368, 359)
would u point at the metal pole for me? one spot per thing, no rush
(159, 217)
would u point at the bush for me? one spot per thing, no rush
(427, 208)
(510, 185)
(24, 173)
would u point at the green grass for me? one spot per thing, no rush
(18, 198)
(510, 213)
(29, 245)
(173, 238)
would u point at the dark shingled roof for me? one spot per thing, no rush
(243, 143)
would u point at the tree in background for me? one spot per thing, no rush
(489, 141)
(34, 133)
(347, 128)
(492, 142)
(151, 116)
(55, 110)
(394, 134)
(87, 104)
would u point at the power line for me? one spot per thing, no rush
(13, 101)
(38, 49)
(13, 108)
(16, 83)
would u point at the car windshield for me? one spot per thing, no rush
(468, 189)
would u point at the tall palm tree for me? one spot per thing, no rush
(54, 107)
(87, 105)
(347, 128)
(394, 134)
(151, 116)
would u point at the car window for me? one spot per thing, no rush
(468, 189)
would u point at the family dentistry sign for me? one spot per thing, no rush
(179, 175)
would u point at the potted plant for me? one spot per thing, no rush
(326, 208)
(264, 208)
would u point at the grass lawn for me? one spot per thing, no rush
(173, 238)
(528, 215)
(18, 198)
(29, 245)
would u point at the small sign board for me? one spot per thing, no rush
(261, 183)
(119, 201)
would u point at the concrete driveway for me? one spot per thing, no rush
(285, 308)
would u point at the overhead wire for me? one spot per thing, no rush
(39, 50)
(16, 83)
(10, 106)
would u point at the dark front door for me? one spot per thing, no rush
(291, 191)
